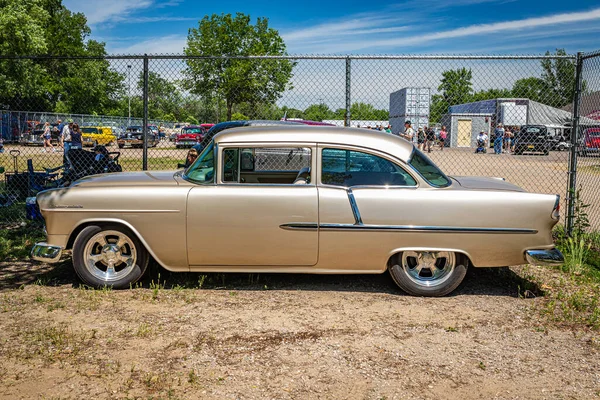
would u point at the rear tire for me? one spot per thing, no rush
(109, 255)
(429, 274)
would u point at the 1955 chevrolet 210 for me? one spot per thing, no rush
(299, 199)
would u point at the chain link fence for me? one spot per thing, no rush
(503, 116)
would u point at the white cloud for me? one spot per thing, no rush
(171, 44)
(308, 39)
(119, 10)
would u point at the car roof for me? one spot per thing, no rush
(300, 133)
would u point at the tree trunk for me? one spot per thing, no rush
(229, 108)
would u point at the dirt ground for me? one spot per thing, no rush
(285, 337)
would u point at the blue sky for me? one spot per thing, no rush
(359, 27)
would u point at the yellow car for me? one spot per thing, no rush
(95, 135)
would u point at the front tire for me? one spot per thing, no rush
(109, 256)
(428, 273)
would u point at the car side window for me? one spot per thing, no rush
(266, 165)
(353, 168)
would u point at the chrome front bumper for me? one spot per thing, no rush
(46, 252)
(544, 257)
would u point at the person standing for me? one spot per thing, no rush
(421, 139)
(65, 139)
(389, 129)
(507, 136)
(430, 137)
(443, 136)
(76, 137)
(498, 137)
(47, 135)
(409, 132)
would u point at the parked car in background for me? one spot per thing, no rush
(35, 136)
(134, 138)
(189, 136)
(176, 130)
(299, 199)
(590, 142)
(91, 136)
(533, 139)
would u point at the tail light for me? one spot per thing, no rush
(556, 210)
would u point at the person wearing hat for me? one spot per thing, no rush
(409, 132)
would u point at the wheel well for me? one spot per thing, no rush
(394, 258)
(81, 227)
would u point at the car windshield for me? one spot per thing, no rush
(203, 169)
(89, 130)
(192, 130)
(134, 129)
(428, 170)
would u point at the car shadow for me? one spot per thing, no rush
(478, 281)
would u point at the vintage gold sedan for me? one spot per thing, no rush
(299, 199)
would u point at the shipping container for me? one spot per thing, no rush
(411, 103)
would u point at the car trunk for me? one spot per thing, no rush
(485, 183)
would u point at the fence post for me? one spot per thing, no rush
(348, 98)
(145, 123)
(574, 146)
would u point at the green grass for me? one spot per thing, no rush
(573, 296)
(16, 242)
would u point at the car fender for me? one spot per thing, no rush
(91, 221)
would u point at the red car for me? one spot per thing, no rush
(591, 142)
(189, 136)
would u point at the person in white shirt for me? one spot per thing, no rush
(409, 132)
(482, 141)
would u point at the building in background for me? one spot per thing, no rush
(409, 104)
(465, 121)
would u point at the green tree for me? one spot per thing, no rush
(439, 107)
(559, 79)
(163, 96)
(364, 111)
(318, 112)
(531, 88)
(40, 27)
(456, 86)
(21, 32)
(292, 112)
(492, 94)
(236, 80)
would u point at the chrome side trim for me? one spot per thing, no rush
(355, 210)
(300, 226)
(46, 252)
(402, 228)
(544, 257)
(417, 228)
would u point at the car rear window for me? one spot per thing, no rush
(428, 170)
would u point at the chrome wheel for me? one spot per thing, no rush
(110, 255)
(428, 268)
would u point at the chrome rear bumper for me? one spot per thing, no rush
(46, 252)
(544, 257)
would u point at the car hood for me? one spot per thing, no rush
(485, 183)
(143, 178)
